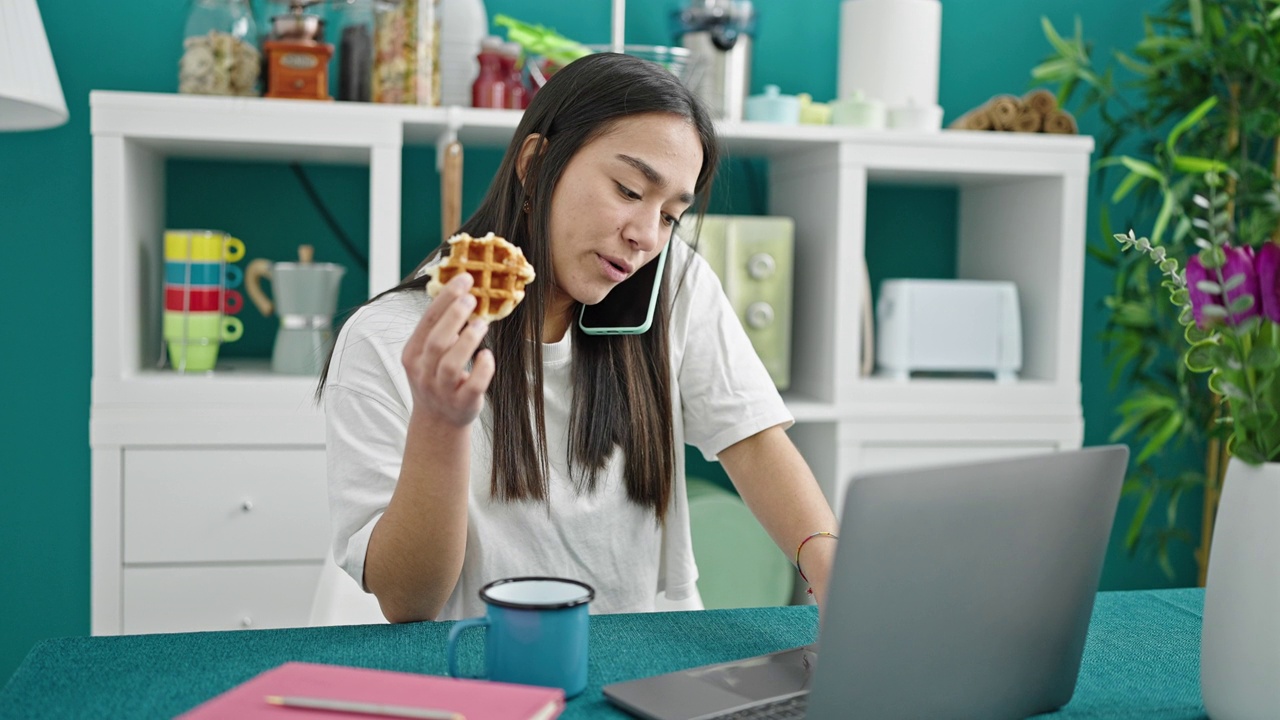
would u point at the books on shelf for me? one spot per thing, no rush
(301, 691)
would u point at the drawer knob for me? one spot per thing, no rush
(761, 265)
(759, 315)
(246, 505)
(246, 622)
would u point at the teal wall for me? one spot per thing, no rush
(45, 237)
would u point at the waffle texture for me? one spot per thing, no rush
(499, 269)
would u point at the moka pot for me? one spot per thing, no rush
(306, 298)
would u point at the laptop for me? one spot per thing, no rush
(957, 592)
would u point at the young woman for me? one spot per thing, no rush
(460, 454)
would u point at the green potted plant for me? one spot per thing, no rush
(1228, 300)
(1211, 70)
(1198, 92)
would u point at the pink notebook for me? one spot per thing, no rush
(472, 699)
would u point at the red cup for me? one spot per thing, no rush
(179, 298)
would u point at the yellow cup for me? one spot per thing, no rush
(202, 245)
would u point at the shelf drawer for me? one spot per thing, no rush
(225, 505)
(189, 599)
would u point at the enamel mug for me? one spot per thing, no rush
(536, 632)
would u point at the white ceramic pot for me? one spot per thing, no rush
(1240, 643)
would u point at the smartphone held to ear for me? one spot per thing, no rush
(628, 308)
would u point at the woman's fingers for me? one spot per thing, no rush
(458, 287)
(472, 391)
(442, 346)
(451, 322)
(451, 371)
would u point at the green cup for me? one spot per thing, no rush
(194, 338)
(194, 356)
(186, 327)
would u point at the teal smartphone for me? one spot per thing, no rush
(628, 308)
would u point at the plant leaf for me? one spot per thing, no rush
(1240, 305)
(1130, 182)
(1062, 46)
(1142, 167)
(1139, 519)
(1161, 437)
(1199, 357)
(1056, 70)
(1189, 121)
(1263, 357)
(1135, 66)
(1162, 219)
(1198, 165)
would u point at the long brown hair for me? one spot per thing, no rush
(621, 383)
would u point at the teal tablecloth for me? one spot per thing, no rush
(1141, 660)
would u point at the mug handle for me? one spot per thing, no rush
(233, 276)
(232, 249)
(232, 302)
(454, 634)
(232, 329)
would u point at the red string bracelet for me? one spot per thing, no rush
(801, 547)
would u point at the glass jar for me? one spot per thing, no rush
(352, 25)
(219, 55)
(406, 52)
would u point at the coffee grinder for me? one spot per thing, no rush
(297, 57)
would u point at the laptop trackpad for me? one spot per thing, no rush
(715, 689)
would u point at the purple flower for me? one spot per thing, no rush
(1239, 262)
(1268, 266)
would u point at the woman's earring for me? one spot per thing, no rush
(527, 207)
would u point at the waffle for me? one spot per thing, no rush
(499, 269)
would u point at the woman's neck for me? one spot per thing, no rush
(559, 316)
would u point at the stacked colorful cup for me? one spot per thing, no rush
(200, 297)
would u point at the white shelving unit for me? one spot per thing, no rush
(208, 501)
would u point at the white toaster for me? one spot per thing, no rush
(948, 326)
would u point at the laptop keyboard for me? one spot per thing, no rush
(792, 708)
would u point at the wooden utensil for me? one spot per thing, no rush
(451, 190)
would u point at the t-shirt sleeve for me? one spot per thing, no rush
(366, 422)
(726, 393)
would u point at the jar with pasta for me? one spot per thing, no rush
(406, 52)
(219, 51)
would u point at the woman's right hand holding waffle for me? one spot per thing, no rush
(437, 355)
(416, 550)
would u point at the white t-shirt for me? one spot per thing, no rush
(721, 394)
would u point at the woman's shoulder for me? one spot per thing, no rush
(375, 334)
(694, 280)
(394, 310)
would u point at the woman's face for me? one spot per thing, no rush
(617, 203)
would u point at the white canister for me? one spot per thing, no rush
(890, 50)
(463, 24)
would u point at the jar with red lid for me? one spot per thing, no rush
(517, 93)
(490, 88)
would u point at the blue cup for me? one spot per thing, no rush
(536, 632)
(203, 273)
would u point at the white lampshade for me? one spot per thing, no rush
(30, 94)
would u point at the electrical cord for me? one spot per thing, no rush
(755, 186)
(329, 219)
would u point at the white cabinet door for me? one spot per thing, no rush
(188, 599)
(224, 505)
